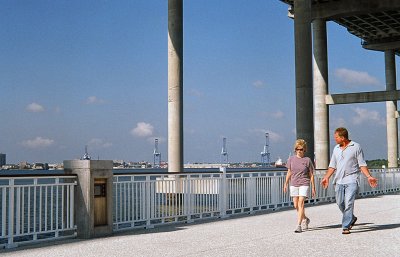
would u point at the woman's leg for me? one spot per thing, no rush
(296, 202)
(300, 210)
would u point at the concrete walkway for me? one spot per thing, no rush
(377, 233)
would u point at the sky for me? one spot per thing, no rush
(95, 73)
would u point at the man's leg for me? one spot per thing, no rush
(349, 198)
(340, 201)
(339, 195)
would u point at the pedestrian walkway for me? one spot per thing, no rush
(377, 233)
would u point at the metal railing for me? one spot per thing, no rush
(36, 208)
(155, 199)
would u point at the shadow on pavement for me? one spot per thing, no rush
(359, 227)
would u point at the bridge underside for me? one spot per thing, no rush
(377, 24)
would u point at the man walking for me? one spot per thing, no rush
(347, 160)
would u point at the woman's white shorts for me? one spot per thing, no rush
(299, 191)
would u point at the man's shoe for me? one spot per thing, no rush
(304, 224)
(353, 221)
(298, 229)
(346, 231)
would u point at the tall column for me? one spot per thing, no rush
(304, 83)
(175, 85)
(391, 108)
(321, 109)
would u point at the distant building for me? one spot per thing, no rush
(203, 165)
(24, 165)
(2, 159)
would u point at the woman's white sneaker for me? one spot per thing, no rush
(304, 224)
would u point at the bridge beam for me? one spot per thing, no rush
(363, 97)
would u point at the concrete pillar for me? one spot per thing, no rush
(93, 197)
(175, 85)
(321, 109)
(304, 80)
(391, 108)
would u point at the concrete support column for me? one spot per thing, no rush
(304, 80)
(93, 197)
(321, 109)
(175, 85)
(391, 108)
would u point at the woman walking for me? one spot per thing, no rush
(300, 173)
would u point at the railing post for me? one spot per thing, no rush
(384, 180)
(10, 242)
(72, 205)
(223, 193)
(187, 196)
(251, 192)
(148, 202)
(3, 210)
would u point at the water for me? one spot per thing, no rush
(139, 171)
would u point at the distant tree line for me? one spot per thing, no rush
(377, 164)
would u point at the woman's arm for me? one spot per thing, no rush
(288, 176)
(313, 192)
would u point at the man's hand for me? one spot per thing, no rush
(373, 182)
(325, 182)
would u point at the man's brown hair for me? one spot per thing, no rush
(342, 132)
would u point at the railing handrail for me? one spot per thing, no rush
(37, 176)
(173, 197)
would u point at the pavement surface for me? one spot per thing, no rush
(376, 233)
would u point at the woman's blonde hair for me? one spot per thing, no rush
(302, 143)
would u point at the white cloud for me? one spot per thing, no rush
(35, 107)
(259, 84)
(195, 92)
(367, 116)
(339, 122)
(38, 142)
(94, 100)
(278, 115)
(274, 115)
(143, 129)
(273, 136)
(99, 143)
(356, 78)
(239, 140)
(190, 131)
